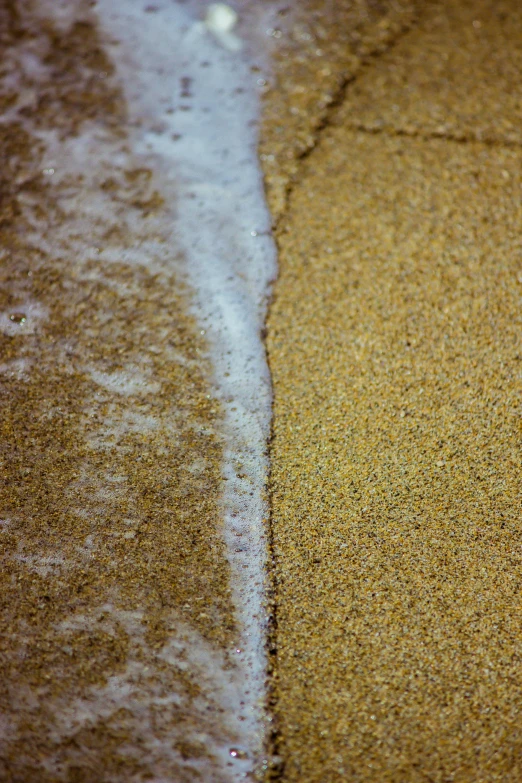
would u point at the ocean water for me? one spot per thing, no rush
(138, 264)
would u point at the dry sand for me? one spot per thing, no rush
(321, 50)
(394, 342)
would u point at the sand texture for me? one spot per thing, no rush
(323, 45)
(392, 153)
(394, 343)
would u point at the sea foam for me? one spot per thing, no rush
(193, 99)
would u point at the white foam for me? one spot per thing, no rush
(195, 105)
(23, 319)
(139, 691)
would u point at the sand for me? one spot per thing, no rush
(391, 149)
(114, 568)
(394, 345)
(322, 47)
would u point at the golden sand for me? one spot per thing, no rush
(325, 47)
(394, 343)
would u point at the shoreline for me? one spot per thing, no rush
(140, 570)
(136, 397)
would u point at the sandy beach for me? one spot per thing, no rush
(394, 347)
(136, 543)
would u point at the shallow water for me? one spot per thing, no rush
(137, 399)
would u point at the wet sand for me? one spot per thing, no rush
(115, 578)
(394, 345)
